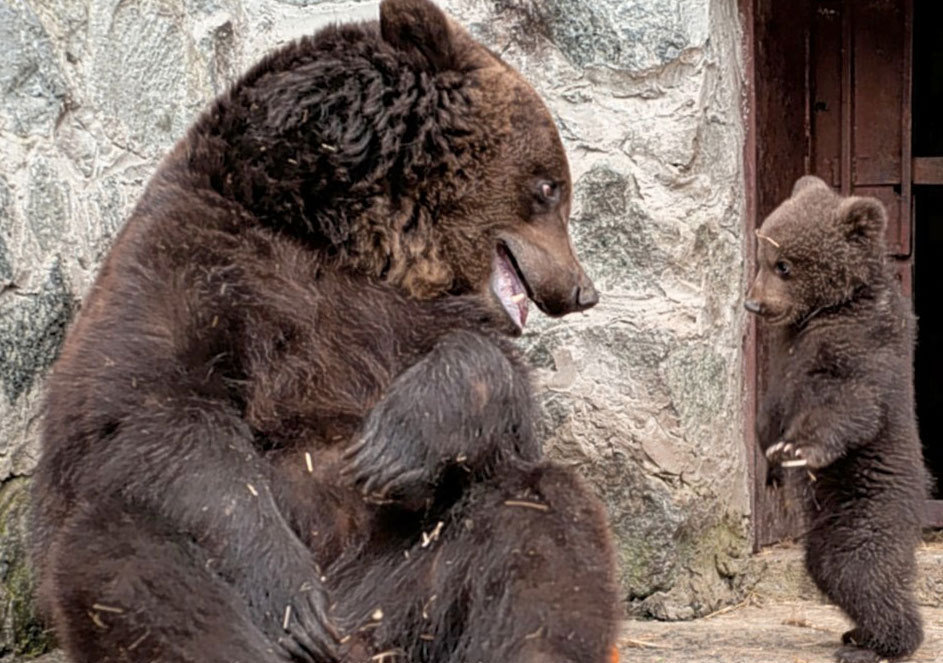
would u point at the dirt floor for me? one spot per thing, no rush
(801, 632)
(783, 621)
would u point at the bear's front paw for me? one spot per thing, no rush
(790, 454)
(810, 440)
(309, 634)
(390, 462)
(290, 604)
(786, 454)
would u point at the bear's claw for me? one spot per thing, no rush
(786, 454)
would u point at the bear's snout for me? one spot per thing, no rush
(753, 306)
(585, 296)
(563, 293)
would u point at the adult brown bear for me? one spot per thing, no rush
(289, 423)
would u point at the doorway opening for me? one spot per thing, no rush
(851, 91)
(928, 231)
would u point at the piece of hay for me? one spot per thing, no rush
(107, 608)
(527, 505)
(427, 539)
(768, 239)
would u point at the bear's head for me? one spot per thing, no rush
(816, 250)
(406, 151)
(500, 224)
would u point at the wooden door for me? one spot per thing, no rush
(832, 96)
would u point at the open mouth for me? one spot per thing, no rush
(510, 286)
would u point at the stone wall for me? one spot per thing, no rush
(643, 392)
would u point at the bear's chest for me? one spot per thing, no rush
(327, 513)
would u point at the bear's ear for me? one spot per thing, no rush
(863, 219)
(809, 182)
(420, 30)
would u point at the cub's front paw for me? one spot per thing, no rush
(785, 454)
(790, 454)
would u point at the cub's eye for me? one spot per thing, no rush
(548, 192)
(782, 268)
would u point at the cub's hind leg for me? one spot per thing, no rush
(869, 576)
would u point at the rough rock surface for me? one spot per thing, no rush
(642, 393)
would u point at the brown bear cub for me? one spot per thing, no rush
(841, 404)
(289, 423)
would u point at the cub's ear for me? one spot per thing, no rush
(420, 30)
(863, 219)
(808, 182)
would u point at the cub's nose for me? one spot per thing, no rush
(585, 295)
(752, 305)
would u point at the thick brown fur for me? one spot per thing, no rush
(841, 398)
(520, 540)
(292, 368)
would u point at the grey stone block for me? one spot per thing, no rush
(32, 327)
(33, 86)
(629, 35)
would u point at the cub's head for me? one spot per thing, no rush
(499, 205)
(816, 250)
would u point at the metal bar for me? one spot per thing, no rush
(906, 134)
(928, 170)
(847, 97)
(807, 122)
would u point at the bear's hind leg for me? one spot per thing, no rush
(870, 581)
(893, 635)
(520, 570)
(542, 588)
(126, 589)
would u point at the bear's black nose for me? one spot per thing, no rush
(752, 306)
(586, 296)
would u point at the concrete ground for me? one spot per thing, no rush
(801, 632)
(782, 621)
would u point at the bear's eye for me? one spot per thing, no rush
(782, 268)
(548, 192)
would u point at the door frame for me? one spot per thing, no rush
(775, 513)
